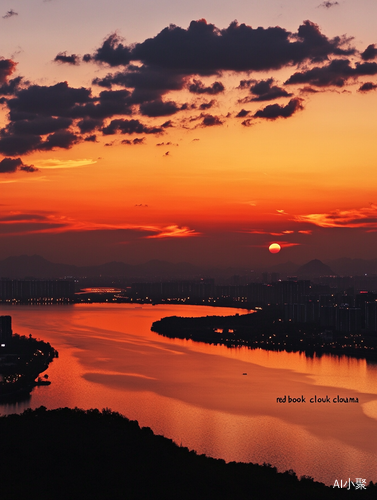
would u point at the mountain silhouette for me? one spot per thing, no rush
(314, 269)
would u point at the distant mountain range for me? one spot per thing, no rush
(35, 266)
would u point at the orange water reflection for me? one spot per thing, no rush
(197, 394)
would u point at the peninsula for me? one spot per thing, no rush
(267, 329)
(22, 360)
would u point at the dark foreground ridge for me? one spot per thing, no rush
(267, 330)
(75, 454)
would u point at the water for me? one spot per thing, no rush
(197, 395)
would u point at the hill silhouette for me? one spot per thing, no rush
(75, 454)
(314, 269)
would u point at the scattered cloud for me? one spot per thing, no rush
(274, 111)
(207, 105)
(210, 121)
(48, 118)
(370, 52)
(134, 142)
(328, 5)
(159, 108)
(62, 57)
(367, 87)
(242, 113)
(129, 127)
(197, 87)
(10, 13)
(11, 165)
(335, 73)
(264, 90)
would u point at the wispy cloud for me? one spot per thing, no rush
(174, 231)
(42, 178)
(53, 163)
(353, 218)
(19, 223)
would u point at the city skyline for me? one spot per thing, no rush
(174, 132)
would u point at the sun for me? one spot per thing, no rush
(274, 248)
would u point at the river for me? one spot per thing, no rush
(198, 394)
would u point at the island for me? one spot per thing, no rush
(22, 360)
(267, 329)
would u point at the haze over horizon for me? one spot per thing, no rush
(173, 132)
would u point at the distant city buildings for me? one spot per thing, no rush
(27, 291)
(301, 300)
(5, 329)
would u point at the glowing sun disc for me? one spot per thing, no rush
(274, 248)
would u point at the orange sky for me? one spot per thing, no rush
(198, 183)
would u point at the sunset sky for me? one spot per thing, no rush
(201, 131)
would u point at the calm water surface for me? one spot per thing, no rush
(197, 394)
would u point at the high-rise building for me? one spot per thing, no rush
(5, 329)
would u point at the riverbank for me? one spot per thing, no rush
(22, 360)
(267, 330)
(53, 454)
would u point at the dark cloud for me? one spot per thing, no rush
(112, 52)
(135, 142)
(368, 86)
(245, 84)
(197, 87)
(328, 5)
(207, 105)
(7, 67)
(39, 126)
(89, 124)
(159, 108)
(148, 83)
(14, 145)
(10, 13)
(274, 111)
(91, 138)
(242, 113)
(108, 104)
(370, 52)
(38, 111)
(56, 100)
(336, 73)
(210, 121)
(63, 58)
(204, 49)
(10, 87)
(11, 165)
(266, 91)
(129, 127)
(61, 139)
